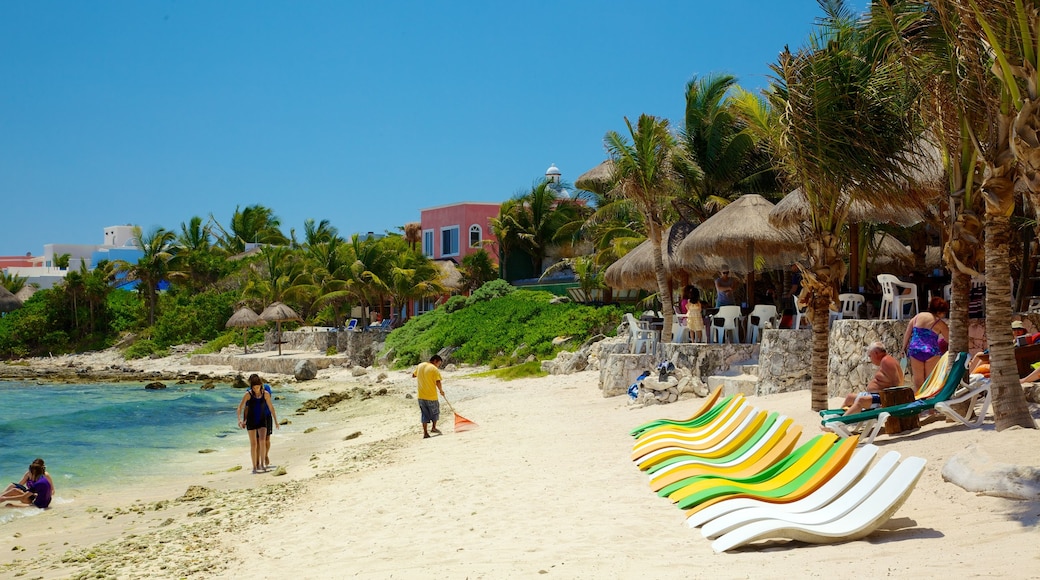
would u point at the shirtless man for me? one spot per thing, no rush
(889, 374)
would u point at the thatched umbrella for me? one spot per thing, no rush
(635, 270)
(793, 210)
(26, 293)
(244, 318)
(742, 230)
(8, 301)
(278, 313)
(598, 179)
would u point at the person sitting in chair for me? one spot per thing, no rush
(889, 374)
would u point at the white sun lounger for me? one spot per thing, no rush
(865, 518)
(841, 481)
(831, 509)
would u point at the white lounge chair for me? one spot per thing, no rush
(836, 485)
(826, 509)
(866, 517)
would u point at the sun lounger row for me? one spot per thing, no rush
(738, 462)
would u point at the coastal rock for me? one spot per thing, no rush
(305, 370)
(208, 386)
(358, 371)
(155, 386)
(974, 470)
(240, 382)
(195, 493)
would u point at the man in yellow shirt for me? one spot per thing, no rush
(429, 376)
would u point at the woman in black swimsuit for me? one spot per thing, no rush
(254, 420)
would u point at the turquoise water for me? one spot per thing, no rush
(98, 435)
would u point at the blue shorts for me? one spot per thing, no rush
(875, 399)
(429, 410)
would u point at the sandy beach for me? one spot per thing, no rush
(543, 486)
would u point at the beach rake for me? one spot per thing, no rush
(461, 423)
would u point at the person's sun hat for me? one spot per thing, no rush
(1017, 325)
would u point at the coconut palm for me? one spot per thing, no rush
(949, 47)
(254, 224)
(842, 127)
(644, 171)
(200, 263)
(723, 159)
(477, 269)
(536, 221)
(412, 234)
(153, 267)
(411, 276)
(13, 282)
(278, 276)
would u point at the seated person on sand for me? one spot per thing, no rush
(34, 489)
(979, 364)
(889, 374)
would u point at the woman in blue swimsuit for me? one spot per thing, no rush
(921, 340)
(253, 412)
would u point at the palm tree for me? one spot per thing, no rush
(196, 257)
(412, 234)
(842, 127)
(477, 269)
(948, 46)
(411, 276)
(279, 276)
(645, 176)
(254, 224)
(152, 268)
(723, 159)
(13, 282)
(536, 221)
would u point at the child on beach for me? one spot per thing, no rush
(258, 411)
(35, 488)
(692, 307)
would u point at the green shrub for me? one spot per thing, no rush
(331, 351)
(489, 291)
(186, 317)
(143, 348)
(504, 329)
(126, 310)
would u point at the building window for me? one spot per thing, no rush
(427, 243)
(450, 241)
(474, 236)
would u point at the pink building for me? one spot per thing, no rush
(457, 230)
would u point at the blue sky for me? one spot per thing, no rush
(361, 113)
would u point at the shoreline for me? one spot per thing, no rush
(543, 485)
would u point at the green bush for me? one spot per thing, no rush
(35, 329)
(489, 291)
(126, 310)
(186, 317)
(503, 329)
(143, 348)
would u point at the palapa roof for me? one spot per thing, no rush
(735, 228)
(244, 318)
(26, 292)
(598, 179)
(8, 301)
(635, 270)
(278, 312)
(793, 210)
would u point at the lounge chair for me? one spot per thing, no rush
(829, 502)
(707, 440)
(707, 405)
(871, 422)
(850, 474)
(352, 325)
(717, 413)
(864, 519)
(932, 384)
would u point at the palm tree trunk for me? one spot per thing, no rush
(663, 292)
(959, 293)
(1009, 401)
(820, 338)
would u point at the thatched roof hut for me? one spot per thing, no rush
(8, 301)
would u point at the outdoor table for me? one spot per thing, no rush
(898, 396)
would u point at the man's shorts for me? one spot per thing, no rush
(430, 410)
(875, 399)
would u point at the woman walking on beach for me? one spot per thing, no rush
(253, 412)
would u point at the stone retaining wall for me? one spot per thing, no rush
(360, 348)
(848, 368)
(784, 362)
(618, 369)
(283, 365)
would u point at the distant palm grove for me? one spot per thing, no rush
(929, 106)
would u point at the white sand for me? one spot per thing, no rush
(544, 485)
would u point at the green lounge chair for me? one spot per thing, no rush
(872, 421)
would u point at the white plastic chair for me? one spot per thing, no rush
(893, 303)
(639, 335)
(760, 316)
(680, 331)
(850, 304)
(799, 312)
(724, 323)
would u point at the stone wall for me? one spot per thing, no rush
(618, 369)
(784, 362)
(359, 348)
(848, 368)
(283, 365)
